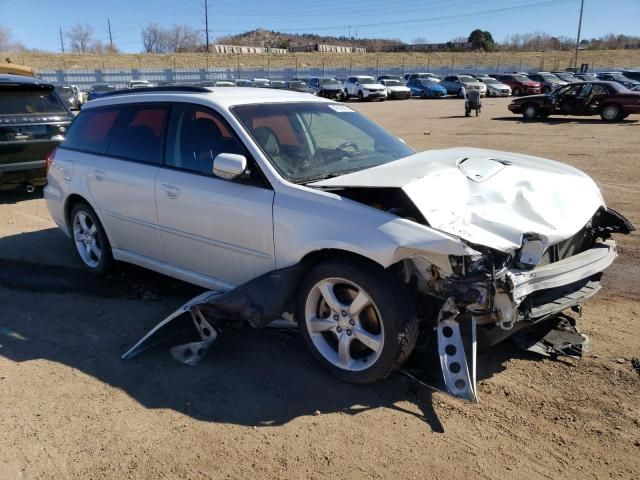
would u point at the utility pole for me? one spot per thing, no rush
(61, 40)
(579, 30)
(206, 22)
(110, 37)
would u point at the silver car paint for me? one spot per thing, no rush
(488, 197)
(304, 219)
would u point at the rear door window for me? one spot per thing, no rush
(140, 134)
(91, 130)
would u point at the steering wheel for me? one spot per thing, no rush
(344, 145)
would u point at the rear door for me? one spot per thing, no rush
(122, 180)
(219, 228)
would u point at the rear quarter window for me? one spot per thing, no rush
(90, 131)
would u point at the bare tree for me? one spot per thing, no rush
(80, 38)
(183, 38)
(154, 38)
(7, 44)
(420, 41)
(5, 39)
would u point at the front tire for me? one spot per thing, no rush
(360, 96)
(517, 92)
(90, 240)
(530, 112)
(357, 319)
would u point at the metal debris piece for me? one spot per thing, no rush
(174, 324)
(453, 359)
(560, 336)
(635, 363)
(191, 353)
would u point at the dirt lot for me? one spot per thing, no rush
(259, 407)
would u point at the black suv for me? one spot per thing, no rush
(33, 121)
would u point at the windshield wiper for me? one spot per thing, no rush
(317, 178)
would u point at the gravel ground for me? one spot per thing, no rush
(260, 407)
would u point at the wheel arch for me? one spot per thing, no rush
(74, 199)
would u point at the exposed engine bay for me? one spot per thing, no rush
(493, 287)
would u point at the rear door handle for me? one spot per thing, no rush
(171, 190)
(99, 175)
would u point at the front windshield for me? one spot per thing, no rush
(521, 78)
(309, 141)
(328, 81)
(550, 78)
(489, 80)
(366, 80)
(392, 83)
(428, 83)
(466, 78)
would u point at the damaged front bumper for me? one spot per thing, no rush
(494, 304)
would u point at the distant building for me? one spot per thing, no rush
(321, 47)
(247, 50)
(430, 47)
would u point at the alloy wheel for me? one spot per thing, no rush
(85, 236)
(344, 324)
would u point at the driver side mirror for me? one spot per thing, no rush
(229, 165)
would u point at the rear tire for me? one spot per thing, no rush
(423, 95)
(366, 329)
(611, 112)
(90, 239)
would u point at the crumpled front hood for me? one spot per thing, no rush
(488, 197)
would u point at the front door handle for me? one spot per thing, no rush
(171, 190)
(98, 175)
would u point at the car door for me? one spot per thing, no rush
(210, 226)
(582, 99)
(121, 181)
(450, 83)
(352, 86)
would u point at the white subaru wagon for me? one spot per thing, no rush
(218, 186)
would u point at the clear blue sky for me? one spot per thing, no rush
(35, 22)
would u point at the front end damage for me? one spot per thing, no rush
(495, 295)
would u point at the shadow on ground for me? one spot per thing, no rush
(267, 377)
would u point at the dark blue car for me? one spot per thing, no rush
(618, 78)
(426, 88)
(99, 90)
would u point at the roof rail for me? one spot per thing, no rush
(170, 88)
